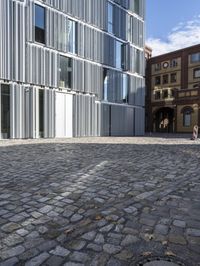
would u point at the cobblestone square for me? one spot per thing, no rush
(99, 201)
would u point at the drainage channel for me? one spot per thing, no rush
(160, 261)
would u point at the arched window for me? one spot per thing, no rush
(187, 116)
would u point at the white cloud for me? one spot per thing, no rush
(181, 36)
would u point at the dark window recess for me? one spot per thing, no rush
(65, 72)
(41, 113)
(39, 24)
(5, 111)
(157, 80)
(172, 92)
(196, 86)
(173, 78)
(165, 79)
(165, 94)
(157, 95)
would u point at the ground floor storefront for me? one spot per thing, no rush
(38, 112)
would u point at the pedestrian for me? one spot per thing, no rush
(195, 132)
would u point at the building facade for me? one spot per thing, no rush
(173, 99)
(71, 68)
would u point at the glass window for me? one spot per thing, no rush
(41, 113)
(165, 94)
(172, 92)
(39, 24)
(194, 58)
(118, 54)
(157, 95)
(110, 17)
(187, 119)
(125, 89)
(65, 72)
(196, 73)
(72, 36)
(173, 78)
(5, 111)
(137, 6)
(165, 79)
(157, 80)
(157, 67)
(105, 85)
(174, 63)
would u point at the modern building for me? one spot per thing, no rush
(173, 99)
(71, 68)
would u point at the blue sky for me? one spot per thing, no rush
(172, 24)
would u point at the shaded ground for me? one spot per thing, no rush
(96, 202)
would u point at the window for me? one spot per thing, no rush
(174, 63)
(196, 73)
(65, 72)
(39, 24)
(118, 54)
(172, 93)
(165, 94)
(157, 95)
(165, 79)
(157, 67)
(173, 78)
(195, 58)
(157, 80)
(196, 86)
(187, 116)
(105, 85)
(110, 17)
(137, 6)
(72, 36)
(41, 113)
(187, 119)
(5, 111)
(125, 89)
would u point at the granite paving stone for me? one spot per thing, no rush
(99, 201)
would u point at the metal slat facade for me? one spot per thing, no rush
(29, 67)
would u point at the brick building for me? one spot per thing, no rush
(173, 91)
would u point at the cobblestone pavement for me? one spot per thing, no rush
(108, 201)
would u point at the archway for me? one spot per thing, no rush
(164, 120)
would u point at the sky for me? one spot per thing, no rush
(172, 24)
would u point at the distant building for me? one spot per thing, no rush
(71, 68)
(148, 55)
(173, 99)
(147, 52)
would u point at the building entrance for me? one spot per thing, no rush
(164, 120)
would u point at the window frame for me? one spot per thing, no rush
(66, 74)
(37, 28)
(165, 81)
(158, 83)
(110, 13)
(193, 61)
(172, 75)
(72, 39)
(196, 70)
